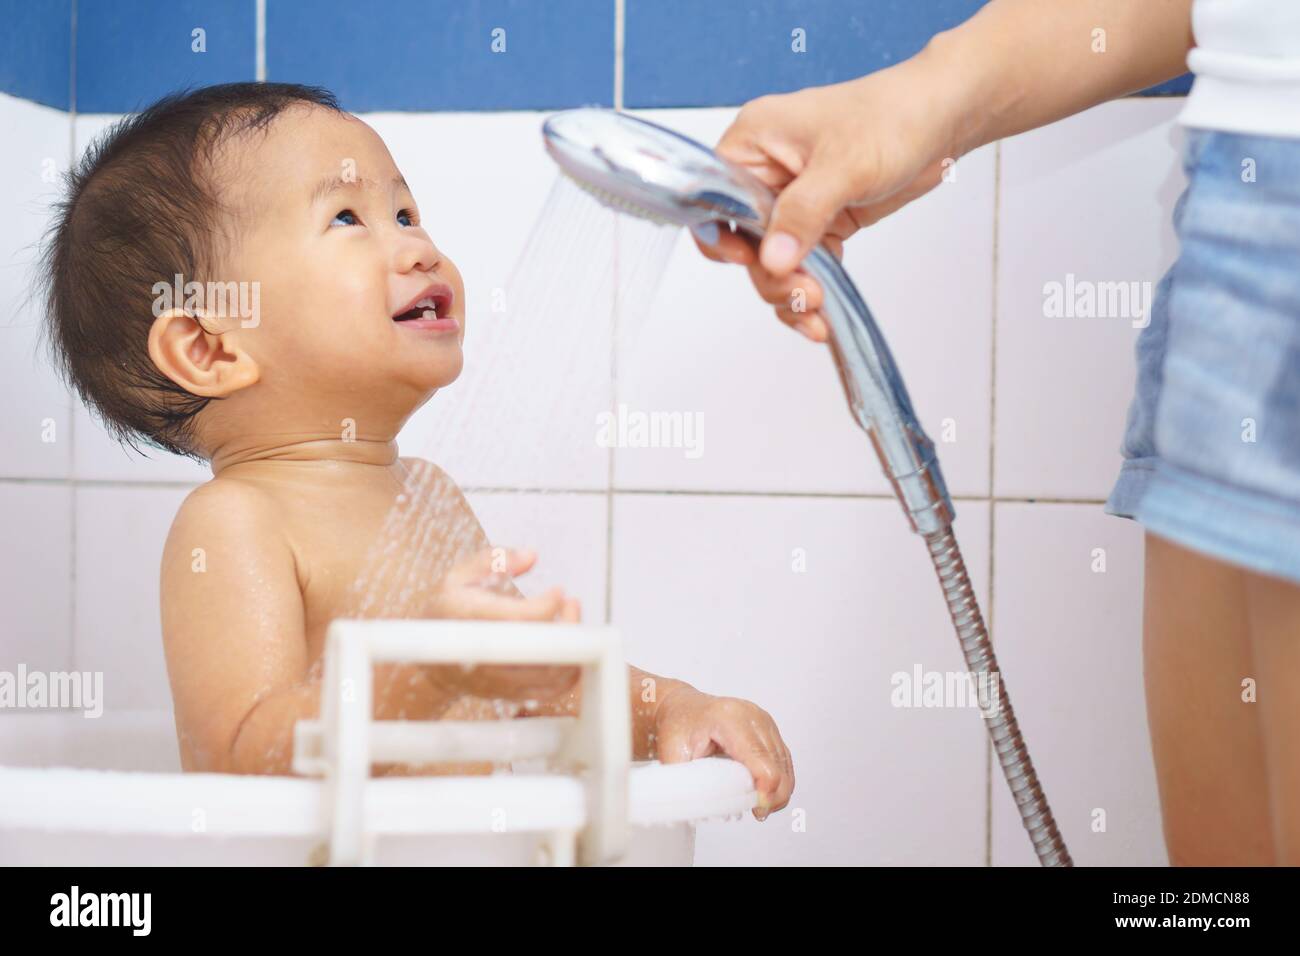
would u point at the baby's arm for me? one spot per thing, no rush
(673, 722)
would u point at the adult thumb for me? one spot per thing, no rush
(802, 212)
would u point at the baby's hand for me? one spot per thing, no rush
(690, 724)
(481, 588)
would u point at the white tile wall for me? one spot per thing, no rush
(701, 576)
(1069, 639)
(35, 432)
(1091, 196)
(36, 576)
(705, 589)
(35, 437)
(120, 534)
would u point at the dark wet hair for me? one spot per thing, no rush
(141, 206)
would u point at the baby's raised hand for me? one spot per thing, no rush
(690, 724)
(481, 588)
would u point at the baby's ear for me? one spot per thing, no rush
(208, 364)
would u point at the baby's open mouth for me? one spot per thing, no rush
(433, 303)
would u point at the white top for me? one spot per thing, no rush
(1247, 66)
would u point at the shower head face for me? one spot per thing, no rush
(642, 168)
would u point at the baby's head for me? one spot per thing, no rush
(228, 269)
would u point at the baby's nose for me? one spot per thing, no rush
(416, 252)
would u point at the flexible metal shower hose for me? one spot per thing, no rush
(1000, 719)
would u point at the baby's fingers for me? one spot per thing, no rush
(681, 746)
(571, 612)
(766, 758)
(777, 785)
(483, 604)
(492, 564)
(766, 770)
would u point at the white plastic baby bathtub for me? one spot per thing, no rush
(108, 791)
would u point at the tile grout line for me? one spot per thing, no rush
(609, 459)
(259, 64)
(72, 84)
(993, 424)
(619, 22)
(620, 29)
(71, 480)
(539, 490)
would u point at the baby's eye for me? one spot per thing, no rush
(345, 218)
(406, 217)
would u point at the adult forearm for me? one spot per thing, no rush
(1020, 64)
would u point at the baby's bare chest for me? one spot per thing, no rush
(371, 558)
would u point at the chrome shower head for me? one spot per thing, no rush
(638, 167)
(644, 169)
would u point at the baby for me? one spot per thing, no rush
(337, 319)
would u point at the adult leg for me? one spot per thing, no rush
(1208, 745)
(1274, 613)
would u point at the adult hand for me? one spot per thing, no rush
(840, 157)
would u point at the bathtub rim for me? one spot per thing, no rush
(69, 799)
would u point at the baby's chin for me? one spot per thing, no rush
(424, 371)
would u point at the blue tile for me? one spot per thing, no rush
(723, 53)
(130, 52)
(437, 54)
(36, 50)
(726, 52)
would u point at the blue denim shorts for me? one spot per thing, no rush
(1212, 443)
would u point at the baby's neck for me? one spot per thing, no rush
(304, 448)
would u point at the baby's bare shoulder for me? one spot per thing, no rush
(235, 535)
(229, 497)
(228, 510)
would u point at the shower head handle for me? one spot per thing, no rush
(878, 398)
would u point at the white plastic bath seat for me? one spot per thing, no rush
(343, 744)
(51, 812)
